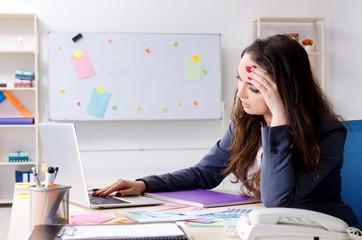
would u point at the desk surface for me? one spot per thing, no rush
(20, 227)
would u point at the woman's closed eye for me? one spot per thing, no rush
(254, 90)
(251, 88)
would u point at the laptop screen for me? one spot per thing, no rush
(60, 148)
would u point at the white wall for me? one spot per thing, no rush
(175, 144)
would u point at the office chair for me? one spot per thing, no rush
(352, 168)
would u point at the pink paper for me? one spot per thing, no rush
(83, 66)
(75, 221)
(168, 207)
(94, 218)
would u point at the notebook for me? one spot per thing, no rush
(125, 231)
(60, 148)
(202, 198)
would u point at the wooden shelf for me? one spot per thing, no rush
(17, 55)
(6, 200)
(17, 126)
(315, 24)
(17, 52)
(17, 163)
(289, 20)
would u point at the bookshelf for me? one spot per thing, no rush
(18, 52)
(305, 27)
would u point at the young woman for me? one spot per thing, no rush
(285, 143)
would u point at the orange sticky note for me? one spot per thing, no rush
(196, 58)
(148, 50)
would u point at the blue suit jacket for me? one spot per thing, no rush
(281, 183)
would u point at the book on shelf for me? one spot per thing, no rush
(23, 120)
(202, 198)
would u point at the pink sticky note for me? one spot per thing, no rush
(95, 218)
(83, 66)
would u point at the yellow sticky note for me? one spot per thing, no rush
(22, 185)
(22, 196)
(100, 89)
(196, 58)
(61, 90)
(22, 193)
(78, 54)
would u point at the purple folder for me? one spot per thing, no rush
(16, 120)
(202, 198)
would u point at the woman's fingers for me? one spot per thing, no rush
(267, 86)
(118, 185)
(263, 79)
(123, 188)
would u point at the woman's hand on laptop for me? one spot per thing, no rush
(122, 188)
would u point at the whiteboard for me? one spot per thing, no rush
(122, 76)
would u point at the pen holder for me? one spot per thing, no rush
(49, 206)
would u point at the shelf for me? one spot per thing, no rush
(315, 54)
(31, 89)
(6, 200)
(17, 163)
(289, 20)
(18, 89)
(17, 52)
(29, 16)
(305, 27)
(17, 126)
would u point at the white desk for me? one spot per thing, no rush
(20, 228)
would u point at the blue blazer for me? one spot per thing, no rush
(281, 183)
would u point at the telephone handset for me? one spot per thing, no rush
(290, 223)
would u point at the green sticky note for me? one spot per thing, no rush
(192, 70)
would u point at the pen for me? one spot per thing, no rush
(36, 177)
(49, 177)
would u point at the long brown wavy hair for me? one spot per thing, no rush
(288, 64)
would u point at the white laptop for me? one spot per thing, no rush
(60, 148)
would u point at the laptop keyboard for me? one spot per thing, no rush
(104, 200)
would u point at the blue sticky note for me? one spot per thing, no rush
(2, 97)
(98, 103)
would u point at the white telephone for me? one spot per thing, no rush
(290, 223)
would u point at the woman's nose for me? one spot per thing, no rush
(241, 90)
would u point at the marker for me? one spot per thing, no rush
(36, 177)
(49, 177)
(56, 169)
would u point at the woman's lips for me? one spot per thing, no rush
(245, 105)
